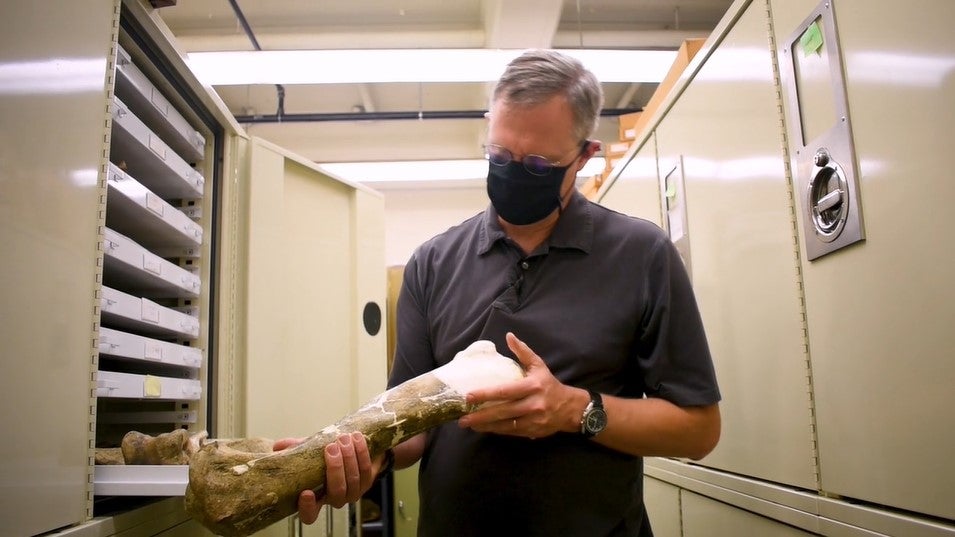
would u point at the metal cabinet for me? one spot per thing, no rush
(635, 190)
(704, 517)
(310, 261)
(880, 311)
(50, 101)
(662, 501)
(834, 361)
(723, 138)
(166, 271)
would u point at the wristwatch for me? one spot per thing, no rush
(594, 419)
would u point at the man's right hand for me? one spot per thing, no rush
(349, 473)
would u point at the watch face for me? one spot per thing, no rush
(596, 420)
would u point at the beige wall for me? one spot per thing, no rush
(414, 216)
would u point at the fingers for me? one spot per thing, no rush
(523, 426)
(308, 506)
(348, 470)
(352, 472)
(529, 407)
(525, 355)
(503, 392)
(364, 463)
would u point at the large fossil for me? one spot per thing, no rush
(172, 448)
(236, 493)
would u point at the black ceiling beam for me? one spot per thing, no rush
(390, 116)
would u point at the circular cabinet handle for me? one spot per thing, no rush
(371, 318)
(827, 197)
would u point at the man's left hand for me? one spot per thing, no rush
(536, 406)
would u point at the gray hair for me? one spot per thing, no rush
(537, 75)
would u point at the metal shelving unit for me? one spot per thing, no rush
(152, 336)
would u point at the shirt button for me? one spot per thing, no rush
(525, 265)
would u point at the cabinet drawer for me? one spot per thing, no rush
(140, 480)
(130, 267)
(135, 211)
(135, 386)
(149, 159)
(149, 104)
(123, 310)
(134, 347)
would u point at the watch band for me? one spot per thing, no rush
(594, 419)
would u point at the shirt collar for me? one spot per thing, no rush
(574, 229)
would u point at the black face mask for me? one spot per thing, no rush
(521, 197)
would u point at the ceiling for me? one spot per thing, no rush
(212, 25)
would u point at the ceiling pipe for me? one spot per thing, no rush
(390, 116)
(279, 89)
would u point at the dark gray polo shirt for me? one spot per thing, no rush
(606, 302)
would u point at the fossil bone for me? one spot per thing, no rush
(235, 493)
(166, 448)
(175, 447)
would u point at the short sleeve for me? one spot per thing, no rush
(673, 352)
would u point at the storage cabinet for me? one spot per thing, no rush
(704, 517)
(740, 236)
(310, 254)
(171, 272)
(833, 368)
(662, 501)
(51, 152)
(880, 312)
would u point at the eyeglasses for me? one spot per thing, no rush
(535, 164)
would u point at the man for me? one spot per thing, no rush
(595, 305)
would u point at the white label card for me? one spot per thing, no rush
(160, 102)
(153, 351)
(157, 145)
(150, 311)
(152, 264)
(154, 203)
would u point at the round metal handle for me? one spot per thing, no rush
(827, 197)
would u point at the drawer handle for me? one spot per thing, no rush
(108, 385)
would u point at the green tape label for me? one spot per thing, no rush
(811, 40)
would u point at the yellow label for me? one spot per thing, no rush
(152, 386)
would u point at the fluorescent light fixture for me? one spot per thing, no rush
(407, 65)
(426, 171)
(408, 171)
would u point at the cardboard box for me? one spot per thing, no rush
(618, 148)
(627, 124)
(684, 56)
